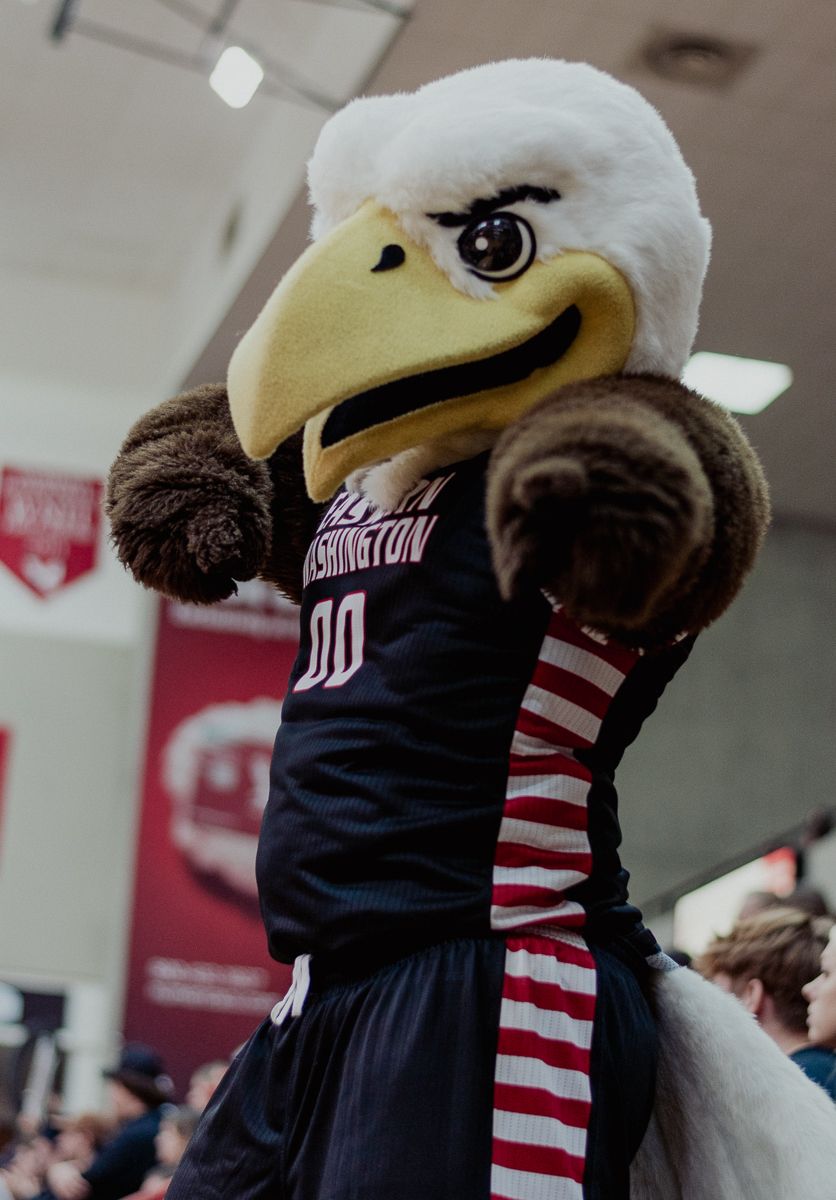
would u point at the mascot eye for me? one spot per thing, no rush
(498, 247)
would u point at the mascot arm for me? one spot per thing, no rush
(637, 503)
(190, 513)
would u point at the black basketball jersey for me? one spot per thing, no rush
(445, 759)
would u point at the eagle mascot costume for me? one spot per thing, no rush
(456, 436)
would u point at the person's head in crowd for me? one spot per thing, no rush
(79, 1138)
(203, 1083)
(176, 1128)
(758, 902)
(804, 897)
(137, 1083)
(765, 961)
(809, 900)
(820, 994)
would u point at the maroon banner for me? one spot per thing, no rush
(199, 976)
(49, 527)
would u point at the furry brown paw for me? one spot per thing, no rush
(189, 512)
(189, 548)
(607, 513)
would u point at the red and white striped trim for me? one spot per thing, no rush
(543, 846)
(542, 1092)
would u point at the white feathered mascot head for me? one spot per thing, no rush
(477, 244)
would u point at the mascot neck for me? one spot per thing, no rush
(386, 483)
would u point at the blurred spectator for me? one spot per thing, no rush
(818, 825)
(808, 899)
(79, 1139)
(203, 1083)
(805, 898)
(176, 1128)
(22, 1177)
(820, 994)
(137, 1088)
(758, 902)
(766, 961)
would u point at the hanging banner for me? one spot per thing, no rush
(49, 527)
(199, 976)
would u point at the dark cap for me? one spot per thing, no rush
(140, 1069)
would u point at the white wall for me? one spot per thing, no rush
(68, 819)
(74, 708)
(821, 868)
(741, 747)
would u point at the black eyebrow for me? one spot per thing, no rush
(483, 208)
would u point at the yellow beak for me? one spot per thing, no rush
(374, 362)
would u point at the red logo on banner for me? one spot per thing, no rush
(49, 527)
(216, 770)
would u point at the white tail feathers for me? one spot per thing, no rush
(734, 1118)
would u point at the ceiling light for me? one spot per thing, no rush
(744, 385)
(236, 77)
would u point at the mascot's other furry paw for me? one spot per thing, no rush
(189, 512)
(604, 505)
